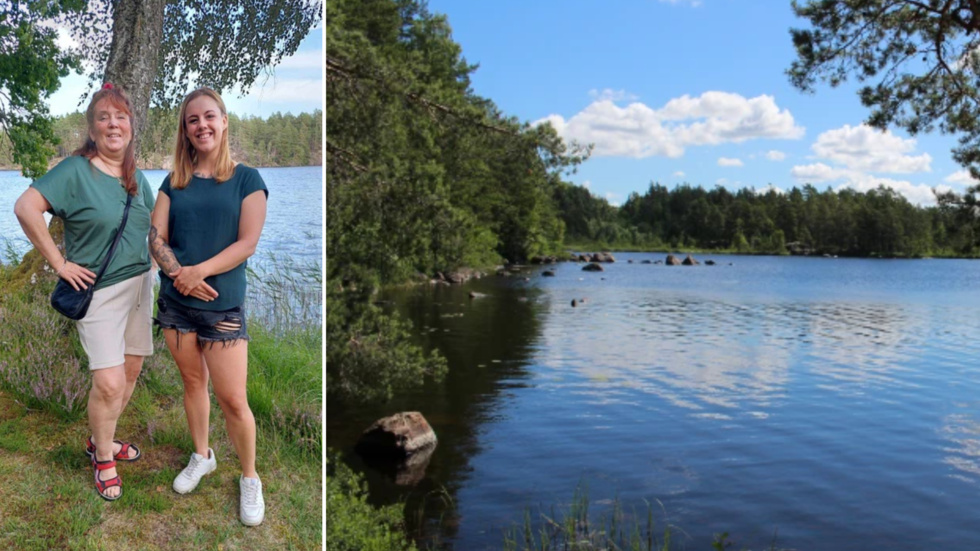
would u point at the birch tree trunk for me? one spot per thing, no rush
(137, 32)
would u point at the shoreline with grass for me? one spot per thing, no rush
(49, 502)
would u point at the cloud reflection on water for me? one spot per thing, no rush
(719, 359)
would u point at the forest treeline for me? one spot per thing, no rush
(279, 140)
(880, 222)
(422, 176)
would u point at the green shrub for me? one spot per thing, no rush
(370, 355)
(39, 362)
(353, 524)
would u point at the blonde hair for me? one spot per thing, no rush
(185, 156)
(118, 99)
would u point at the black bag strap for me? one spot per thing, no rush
(112, 248)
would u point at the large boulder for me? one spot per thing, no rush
(672, 260)
(397, 436)
(399, 446)
(592, 267)
(689, 261)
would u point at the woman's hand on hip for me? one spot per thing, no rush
(76, 275)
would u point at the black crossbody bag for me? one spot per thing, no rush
(74, 304)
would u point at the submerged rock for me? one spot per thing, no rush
(592, 267)
(398, 435)
(399, 445)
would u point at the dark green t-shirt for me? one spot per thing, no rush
(91, 203)
(203, 222)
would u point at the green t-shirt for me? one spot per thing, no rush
(91, 203)
(203, 222)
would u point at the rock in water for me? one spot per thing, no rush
(400, 446)
(399, 435)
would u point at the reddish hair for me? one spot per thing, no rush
(118, 99)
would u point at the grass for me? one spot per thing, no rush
(577, 528)
(48, 497)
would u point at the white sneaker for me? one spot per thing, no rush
(252, 506)
(198, 466)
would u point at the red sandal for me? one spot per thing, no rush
(102, 485)
(122, 455)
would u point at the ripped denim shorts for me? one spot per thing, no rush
(223, 326)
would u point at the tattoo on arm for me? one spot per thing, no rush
(162, 252)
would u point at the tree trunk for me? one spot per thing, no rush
(137, 32)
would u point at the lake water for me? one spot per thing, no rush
(834, 401)
(293, 226)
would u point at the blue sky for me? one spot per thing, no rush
(295, 87)
(675, 91)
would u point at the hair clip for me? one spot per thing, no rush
(107, 86)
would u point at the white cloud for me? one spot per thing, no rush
(639, 131)
(774, 155)
(729, 118)
(961, 177)
(867, 149)
(556, 121)
(725, 161)
(692, 3)
(586, 184)
(721, 181)
(856, 152)
(679, 174)
(817, 172)
(608, 94)
(612, 198)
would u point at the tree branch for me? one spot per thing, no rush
(337, 67)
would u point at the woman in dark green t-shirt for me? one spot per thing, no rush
(207, 221)
(88, 191)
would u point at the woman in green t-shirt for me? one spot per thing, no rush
(88, 191)
(207, 221)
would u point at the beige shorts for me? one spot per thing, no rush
(118, 322)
